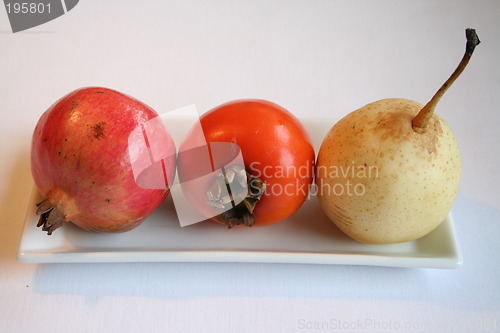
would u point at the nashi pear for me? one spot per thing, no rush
(380, 181)
(389, 172)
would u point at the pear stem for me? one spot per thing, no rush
(421, 120)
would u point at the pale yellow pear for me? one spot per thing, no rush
(387, 182)
(389, 172)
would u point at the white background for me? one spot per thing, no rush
(317, 59)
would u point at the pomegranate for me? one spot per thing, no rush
(94, 159)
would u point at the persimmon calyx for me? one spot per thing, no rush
(235, 184)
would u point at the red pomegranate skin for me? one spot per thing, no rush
(81, 164)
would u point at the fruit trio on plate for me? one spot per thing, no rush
(401, 156)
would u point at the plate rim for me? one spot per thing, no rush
(240, 256)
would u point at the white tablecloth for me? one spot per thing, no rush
(317, 59)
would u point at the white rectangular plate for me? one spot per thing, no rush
(307, 237)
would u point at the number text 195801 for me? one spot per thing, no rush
(28, 8)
